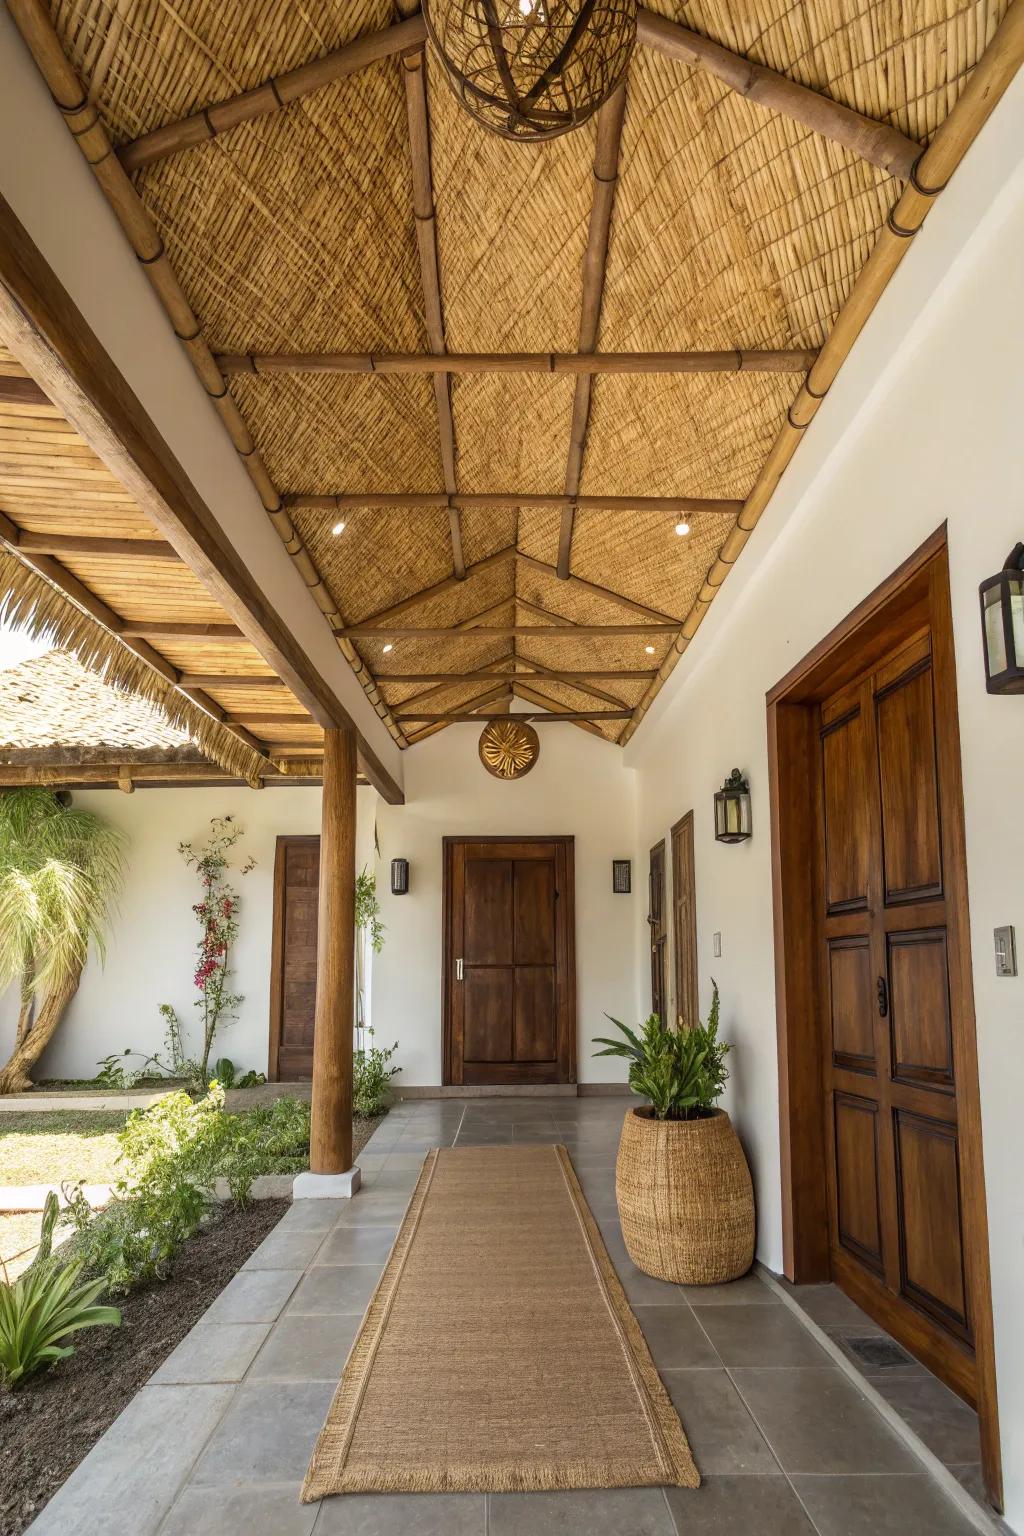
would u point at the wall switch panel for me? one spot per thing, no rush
(1006, 951)
(716, 944)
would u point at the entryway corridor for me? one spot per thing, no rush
(218, 1442)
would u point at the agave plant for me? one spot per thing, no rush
(681, 1071)
(45, 1305)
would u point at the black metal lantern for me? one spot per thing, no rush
(532, 69)
(1002, 625)
(399, 877)
(732, 810)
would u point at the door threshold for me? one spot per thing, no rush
(489, 1091)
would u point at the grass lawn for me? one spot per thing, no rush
(51, 1145)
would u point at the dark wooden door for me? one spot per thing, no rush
(684, 922)
(293, 958)
(894, 1184)
(509, 965)
(657, 922)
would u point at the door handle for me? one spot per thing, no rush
(458, 970)
(883, 997)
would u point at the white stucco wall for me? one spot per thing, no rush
(923, 426)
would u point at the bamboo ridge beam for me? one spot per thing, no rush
(277, 92)
(732, 361)
(956, 133)
(546, 674)
(563, 630)
(534, 719)
(428, 501)
(595, 260)
(876, 142)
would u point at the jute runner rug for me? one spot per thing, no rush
(499, 1351)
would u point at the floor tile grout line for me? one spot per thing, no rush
(930, 1463)
(771, 1449)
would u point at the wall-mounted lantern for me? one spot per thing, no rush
(622, 877)
(399, 877)
(1002, 625)
(732, 810)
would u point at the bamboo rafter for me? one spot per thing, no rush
(429, 501)
(733, 360)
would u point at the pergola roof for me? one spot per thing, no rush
(510, 369)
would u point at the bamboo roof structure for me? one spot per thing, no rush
(477, 384)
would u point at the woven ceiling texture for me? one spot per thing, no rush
(732, 227)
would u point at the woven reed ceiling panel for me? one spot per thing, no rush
(732, 227)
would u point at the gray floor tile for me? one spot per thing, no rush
(254, 1296)
(755, 1335)
(357, 1245)
(941, 1419)
(212, 1352)
(739, 1506)
(722, 1435)
(254, 1511)
(846, 1338)
(674, 1338)
(877, 1505)
(645, 1291)
(748, 1291)
(816, 1421)
(612, 1234)
(592, 1512)
(307, 1348)
(370, 1210)
(830, 1307)
(291, 1249)
(403, 1514)
(312, 1215)
(336, 1288)
(266, 1436)
(405, 1160)
(128, 1481)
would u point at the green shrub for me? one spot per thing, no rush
(371, 1075)
(681, 1071)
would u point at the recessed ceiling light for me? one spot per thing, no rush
(388, 647)
(338, 528)
(682, 528)
(649, 649)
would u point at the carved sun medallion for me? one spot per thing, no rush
(509, 748)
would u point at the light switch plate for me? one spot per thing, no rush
(1006, 951)
(716, 944)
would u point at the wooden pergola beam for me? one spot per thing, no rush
(174, 629)
(556, 631)
(93, 544)
(595, 260)
(429, 501)
(244, 680)
(19, 391)
(277, 92)
(414, 76)
(876, 142)
(72, 773)
(571, 363)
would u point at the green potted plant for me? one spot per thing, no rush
(685, 1198)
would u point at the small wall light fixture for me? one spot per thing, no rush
(622, 877)
(732, 810)
(399, 877)
(1002, 625)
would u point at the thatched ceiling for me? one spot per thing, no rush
(732, 227)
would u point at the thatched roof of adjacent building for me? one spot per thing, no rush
(395, 312)
(53, 702)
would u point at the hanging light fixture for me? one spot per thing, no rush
(732, 810)
(1002, 625)
(532, 69)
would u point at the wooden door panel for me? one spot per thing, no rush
(908, 786)
(847, 807)
(859, 1227)
(534, 912)
(928, 1194)
(488, 931)
(536, 1021)
(658, 929)
(487, 1013)
(684, 934)
(921, 1028)
(293, 962)
(852, 993)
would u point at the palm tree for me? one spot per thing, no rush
(61, 870)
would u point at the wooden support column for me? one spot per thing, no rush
(330, 1149)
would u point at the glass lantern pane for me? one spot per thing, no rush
(1016, 599)
(995, 640)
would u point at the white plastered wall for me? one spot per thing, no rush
(923, 427)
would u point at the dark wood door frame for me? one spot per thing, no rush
(567, 844)
(684, 920)
(915, 596)
(277, 955)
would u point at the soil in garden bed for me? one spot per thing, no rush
(48, 1425)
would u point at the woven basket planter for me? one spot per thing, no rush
(685, 1199)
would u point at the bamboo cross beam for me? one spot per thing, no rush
(876, 142)
(595, 589)
(563, 630)
(277, 92)
(595, 259)
(545, 674)
(734, 360)
(538, 718)
(429, 501)
(91, 544)
(500, 557)
(414, 75)
(173, 629)
(229, 680)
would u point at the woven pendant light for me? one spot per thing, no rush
(532, 69)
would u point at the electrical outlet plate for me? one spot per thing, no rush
(1006, 951)
(716, 943)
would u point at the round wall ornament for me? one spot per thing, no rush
(532, 69)
(509, 748)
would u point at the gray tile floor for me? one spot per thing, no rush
(218, 1441)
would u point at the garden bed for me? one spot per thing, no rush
(48, 1425)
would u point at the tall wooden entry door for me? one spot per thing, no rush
(896, 1202)
(293, 958)
(509, 980)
